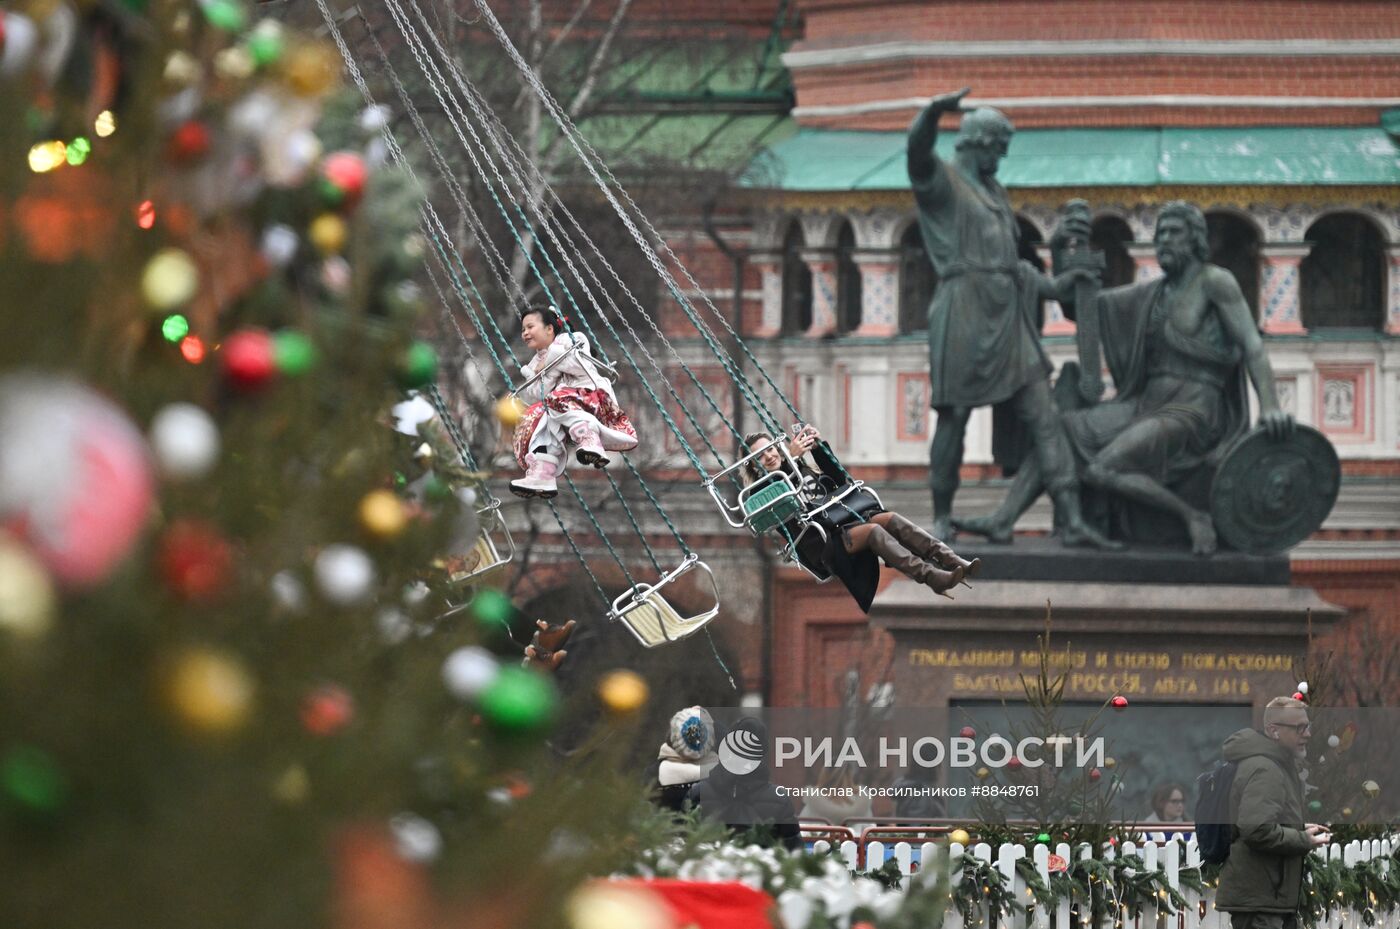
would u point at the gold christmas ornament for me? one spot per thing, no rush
(622, 692)
(182, 69)
(210, 691)
(961, 836)
(234, 63)
(328, 233)
(26, 592)
(382, 514)
(312, 69)
(509, 410)
(982, 774)
(1371, 789)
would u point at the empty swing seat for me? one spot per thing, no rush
(488, 554)
(652, 619)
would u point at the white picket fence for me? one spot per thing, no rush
(1169, 856)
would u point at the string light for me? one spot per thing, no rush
(192, 348)
(175, 327)
(46, 156)
(105, 124)
(77, 151)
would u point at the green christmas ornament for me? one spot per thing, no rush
(225, 14)
(492, 608)
(400, 480)
(417, 366)
(31, 777)
(1314, 806)
(1043, 837)
(293, 353)
(331, 194)
(436, 489)
(519, 701)
(266, 43)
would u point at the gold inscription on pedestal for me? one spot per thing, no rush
(1103, 673)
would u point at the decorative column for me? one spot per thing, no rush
(1144, 255)
(1392, 313)
(770, 317)
(822, 264)
(1279, 306)
(879, 292)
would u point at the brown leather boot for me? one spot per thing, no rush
(914, 538)
(887, 547)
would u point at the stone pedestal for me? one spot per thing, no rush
(1156, 627)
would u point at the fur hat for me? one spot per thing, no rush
(692, 733)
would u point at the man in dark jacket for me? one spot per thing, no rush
(738, 791)
(1262, 880)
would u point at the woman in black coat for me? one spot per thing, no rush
(859, 533)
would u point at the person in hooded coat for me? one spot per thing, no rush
(1261, 883)
(739, 791)
(685, 758)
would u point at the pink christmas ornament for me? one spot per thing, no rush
(75, 476)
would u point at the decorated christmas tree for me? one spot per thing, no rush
(228, 692)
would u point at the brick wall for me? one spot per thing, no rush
(838, 21)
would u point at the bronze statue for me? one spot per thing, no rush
(1179, 348)
(984, 344)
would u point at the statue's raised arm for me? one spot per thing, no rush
(923, 134)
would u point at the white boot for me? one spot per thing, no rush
(540, 471)
(590, 445)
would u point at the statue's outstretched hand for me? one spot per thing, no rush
(949, 103)
(1277, 423)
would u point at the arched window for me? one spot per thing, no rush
(917, 281)
(1112, 236)
(1234, 246)
(1342, 282)
(797, 284)
(847, 281)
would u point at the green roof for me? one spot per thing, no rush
(829, 160)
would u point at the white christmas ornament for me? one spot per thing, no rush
(279, 245)
(1303, 687)
(415, 839)
(374, 118)
(411, 413)
(1333, 741)
(415, 593)
(288, 592)
(344, 574)
(21, 41)
(185, 440)
(335, 275)
(393, 624)
(468, 671)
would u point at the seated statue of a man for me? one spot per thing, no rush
(1179, 348)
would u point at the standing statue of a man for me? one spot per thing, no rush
(984, 347)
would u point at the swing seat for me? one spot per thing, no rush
(494, 548)
(769, 502)
(652, 619)
(765, 504)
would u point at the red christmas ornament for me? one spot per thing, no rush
(1095, 774)
(194, 560)
(346, 172)
(327, 710)
(189, 142)
(249, 359)
(863, 924)
(1119, 702)
(1298, 695)
(1014, 764)
(967, 732)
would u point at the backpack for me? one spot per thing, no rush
(1214, 830)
